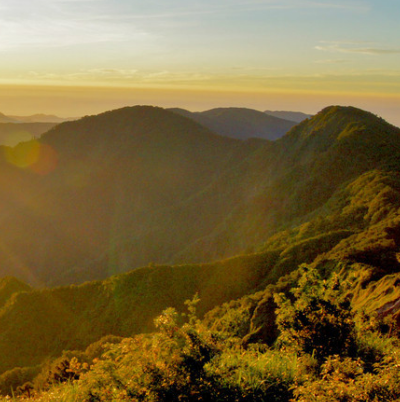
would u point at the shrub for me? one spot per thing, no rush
(318, 321)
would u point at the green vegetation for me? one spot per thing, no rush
(141, 184)
(299, 299)
(323, 351)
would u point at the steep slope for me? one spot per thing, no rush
(297, 117)
(240, 123)
(292, 180)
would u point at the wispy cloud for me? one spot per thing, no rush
(332, 61)
(96, 74)
(356, 48)
(133, 77)
(14, 35)
(119, 76)
(181, 8)
(45, 23)
(232, 4)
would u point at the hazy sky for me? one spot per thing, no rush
(66, 56)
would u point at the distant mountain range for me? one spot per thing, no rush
(36, 118)
(16, 129)
(238, 123)
(13, 133)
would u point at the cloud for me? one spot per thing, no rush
(46, 23)
(180, 8)
(133, 76)
(94, 74)
(118, 76)
(233, 4)
(332, 61)
(356, 48)
(14, 35)
(49, 23)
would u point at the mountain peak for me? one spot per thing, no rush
(342, 115)
(349, 112)
(338, 122)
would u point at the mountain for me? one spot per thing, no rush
(13, 133)
(297, 117)
(40, 118)
(119, 190)
(16, 129)
(143, 186)
(240, 123)
(6, 119)
(108, 178)
(294, 177)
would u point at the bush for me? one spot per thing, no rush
(318, 321)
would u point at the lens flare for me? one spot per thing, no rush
(39, 158)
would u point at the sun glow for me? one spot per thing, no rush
(33, 155)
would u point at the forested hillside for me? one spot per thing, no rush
(117, 191)
(97, 184)
(143, 186)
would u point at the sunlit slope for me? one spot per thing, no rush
(303, 175)
(41, 323)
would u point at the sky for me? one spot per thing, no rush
(74, 58)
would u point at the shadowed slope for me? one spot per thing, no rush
(114, 171)
(144, 184)
(240, 123)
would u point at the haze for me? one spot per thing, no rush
(73, 58)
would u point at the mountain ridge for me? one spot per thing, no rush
(297, 117)
(177, 192)
(240, 123)
(327, 194)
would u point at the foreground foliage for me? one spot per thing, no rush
(324, 352)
